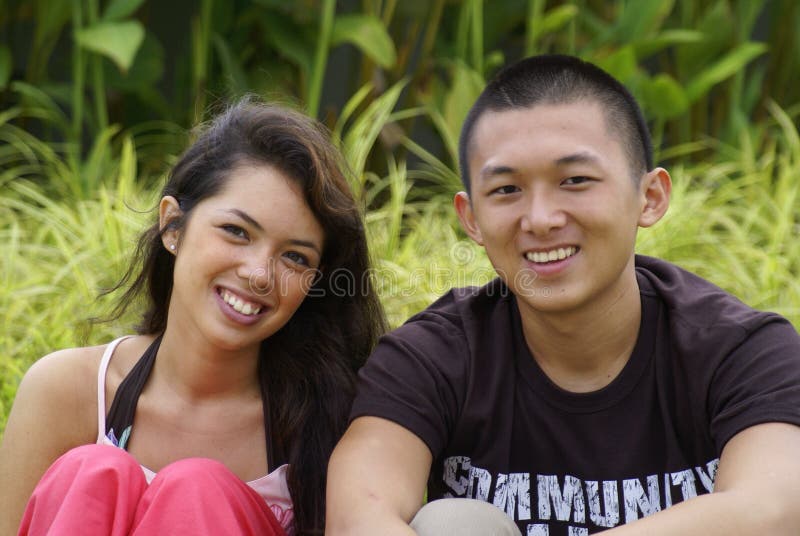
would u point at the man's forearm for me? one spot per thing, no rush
(717, 514)
(376, 480)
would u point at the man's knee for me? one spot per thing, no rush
(465, 517)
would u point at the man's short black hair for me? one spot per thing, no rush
(559, 79)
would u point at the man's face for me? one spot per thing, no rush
(554, 204)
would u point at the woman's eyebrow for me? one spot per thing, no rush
(305, 243)
(246, 217)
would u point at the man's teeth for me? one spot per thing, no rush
(552, 255)
(246, 308)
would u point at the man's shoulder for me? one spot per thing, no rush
(465, 306)
(458, 320)
(695, 304)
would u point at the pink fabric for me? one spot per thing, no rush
(101, 490)
(272, 487)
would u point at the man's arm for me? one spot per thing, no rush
(376, 479)
(756, 492)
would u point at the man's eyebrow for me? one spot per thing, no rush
(582, 157)
(489, 171)
(295, 241)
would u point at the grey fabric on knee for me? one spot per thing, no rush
(463, 517)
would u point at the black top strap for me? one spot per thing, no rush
(123, 408)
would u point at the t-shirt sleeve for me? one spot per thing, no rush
(756, 383)
(416, 378)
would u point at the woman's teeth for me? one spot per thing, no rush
(244, 307)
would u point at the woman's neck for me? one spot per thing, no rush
(196, 369)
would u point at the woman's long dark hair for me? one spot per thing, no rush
(309, 366)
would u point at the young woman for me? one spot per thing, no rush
(218, 417)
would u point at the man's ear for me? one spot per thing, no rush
(169, 211)
(655, 189)
(463, 208)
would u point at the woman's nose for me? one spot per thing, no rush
(260, 275)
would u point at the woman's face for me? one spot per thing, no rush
(245, 259)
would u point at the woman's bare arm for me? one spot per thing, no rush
(54, 410)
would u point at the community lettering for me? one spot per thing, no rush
(583, 504)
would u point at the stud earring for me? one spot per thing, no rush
(172, 247)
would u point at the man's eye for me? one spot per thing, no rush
(235, 230)
(505, 190)
(574, 181)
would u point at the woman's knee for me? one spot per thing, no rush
(96, 459)
(194, 469)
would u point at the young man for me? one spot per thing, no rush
(586, 388)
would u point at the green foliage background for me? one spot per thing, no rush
(97, 99)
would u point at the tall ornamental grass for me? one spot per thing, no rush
(735, 221)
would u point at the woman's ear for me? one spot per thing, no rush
(655, 189)
(463, 208)
(169, 212)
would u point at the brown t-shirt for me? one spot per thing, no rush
(460, 376)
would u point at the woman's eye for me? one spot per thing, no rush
(505, 190)
(297, 258)
(235, 230)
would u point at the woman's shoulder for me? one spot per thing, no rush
(64, 367)
(57, 393)
(81, 364)
(65, 377)
(69, 376)
(64, 382)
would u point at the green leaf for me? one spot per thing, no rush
(34, 97)
(368, 33)
(289, 40)
(119, 9)
(349, 108)
(620, 64)
(729, 65)
(663, 97)
(716, 25)
(93, 169)
(50, 17)
(665, 39)
(119, 41)
(5, 65)
(467, 85)
(145, 71)
(232, 68)
(642, 17)
(553, 21)
(364, 130)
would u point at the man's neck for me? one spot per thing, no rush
(585, 349)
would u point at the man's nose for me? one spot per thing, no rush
(543, 214)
